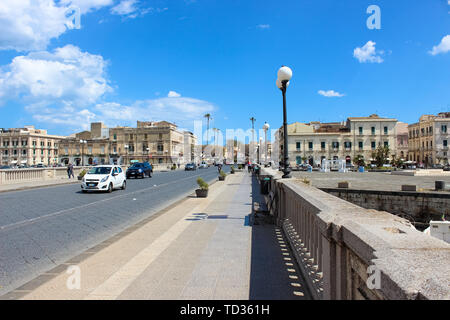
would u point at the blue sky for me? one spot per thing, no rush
(220, 57)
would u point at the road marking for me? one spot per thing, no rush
(64, 211)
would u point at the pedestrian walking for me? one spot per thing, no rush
(70, 171)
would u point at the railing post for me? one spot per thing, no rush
(329, 268)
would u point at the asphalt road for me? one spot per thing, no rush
(42, 228)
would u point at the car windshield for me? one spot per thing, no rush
(137, 165)
(100, 170)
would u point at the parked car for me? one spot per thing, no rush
(190, 167)
(5, 167)
(104, 178)
(203, 165)
(140, 169)
(447, 168)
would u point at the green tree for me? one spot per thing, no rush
(359, 161)
(381, 155)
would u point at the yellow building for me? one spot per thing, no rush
(429, 138)
(156, 142)
(28, 146)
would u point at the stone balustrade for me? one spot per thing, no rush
(348, 252)
(9, 176)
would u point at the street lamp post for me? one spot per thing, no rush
(284, 75)
(252, 119)
(126, 152)
(265, 128)
(82, 142)
(148, 156)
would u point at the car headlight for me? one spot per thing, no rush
(84, 179)
(140, 170)
(104, 179)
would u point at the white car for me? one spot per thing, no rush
(203, 165)
(104, 178)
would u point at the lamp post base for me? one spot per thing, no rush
(287, 173)
(287, 176)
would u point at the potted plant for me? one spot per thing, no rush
(232, 170)
(202, 192)
(222, 175)
(81, 174)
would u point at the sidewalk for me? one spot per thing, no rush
(36, 184)
(198, 249)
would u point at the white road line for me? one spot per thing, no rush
(64, 211)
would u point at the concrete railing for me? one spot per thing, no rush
(347, 252)
(10, 176)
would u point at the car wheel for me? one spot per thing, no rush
(110, 188)
(84, 191)
(124, 185)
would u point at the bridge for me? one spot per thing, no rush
(294, 243)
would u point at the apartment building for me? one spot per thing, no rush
(315, 141)
(429, 139)
(28, 146)
(156, 142)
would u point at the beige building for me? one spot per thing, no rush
(315, 141)
(429, 139)
(28, 146)
(156, 142)
(402, 141)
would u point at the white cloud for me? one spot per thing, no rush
(125, 7)
(263, 26)
(173, 94)
(132, 9)
(88, 5)
(330, 94)
(28, 25)
(65, 75)
(180, 110)
(442, 47)
(368, 53)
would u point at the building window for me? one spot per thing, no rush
(298, 160)
(322, 145)
(360, 145)
(310, 145)
(335, 145)
(386, 144)
(347, 145)
(385, 130)
(360, 130)
(373, 145)
(444, 128)
(298, 146)
(445, 143)
(160, 148)
(373, 130)
(115, 136)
